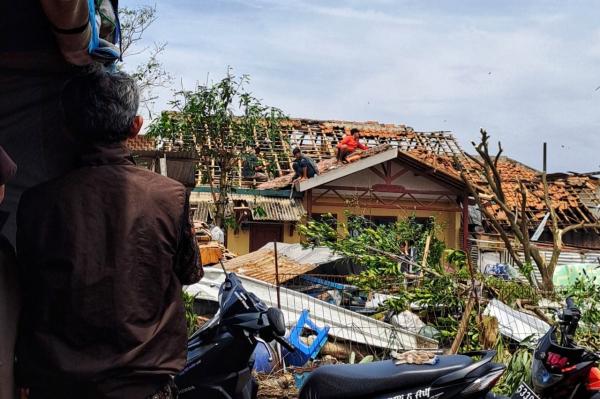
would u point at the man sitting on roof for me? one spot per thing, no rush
(348, 145)
(304, 166)
(251, 167)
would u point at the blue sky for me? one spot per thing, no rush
(527, 71)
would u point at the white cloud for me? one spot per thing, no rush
(527, 74)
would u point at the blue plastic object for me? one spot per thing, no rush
(100, 49)
(300, 377)
(499, 270)
(305, 352)
(265, 358)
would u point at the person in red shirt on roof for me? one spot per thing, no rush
(348, 145)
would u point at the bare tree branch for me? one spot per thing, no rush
(150, 74)
(517, 219)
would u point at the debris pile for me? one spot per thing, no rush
(276, 385)
(211, 251)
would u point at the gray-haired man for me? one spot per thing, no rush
(103, 252)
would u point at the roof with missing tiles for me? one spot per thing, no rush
(575, 198)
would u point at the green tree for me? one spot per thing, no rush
(220, 121)
(383, 250)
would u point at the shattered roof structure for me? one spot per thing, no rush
(318, 140)
(575, 198)
(261, 266)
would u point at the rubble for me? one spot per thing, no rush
(276, 385)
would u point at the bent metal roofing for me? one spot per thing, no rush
(261, 265)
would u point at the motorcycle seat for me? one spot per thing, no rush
(365, 380)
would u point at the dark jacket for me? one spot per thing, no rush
(103, 253)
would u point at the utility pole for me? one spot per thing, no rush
(545, 157)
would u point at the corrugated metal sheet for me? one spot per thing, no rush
(566, 257)
(275, 208)
(261, 265)
(314, 256)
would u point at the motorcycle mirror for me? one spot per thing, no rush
(276, 320)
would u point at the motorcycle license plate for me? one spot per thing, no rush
(524, 392)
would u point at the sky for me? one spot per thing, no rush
(527, 71)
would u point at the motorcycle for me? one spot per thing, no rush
(220, 361)
(562, 370)
(220, 354)
(453, 376)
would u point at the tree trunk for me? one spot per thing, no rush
(547, 282)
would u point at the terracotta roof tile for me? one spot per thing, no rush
(261, 265)
(141, 143)
(566, 194)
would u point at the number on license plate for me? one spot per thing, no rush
(524, 392)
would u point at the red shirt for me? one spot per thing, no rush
(350, 142)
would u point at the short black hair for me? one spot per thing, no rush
(296, 150)
(99, 106)
(354, 130)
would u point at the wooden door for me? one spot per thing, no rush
(261, 234)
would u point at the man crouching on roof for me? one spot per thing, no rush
(103, 252)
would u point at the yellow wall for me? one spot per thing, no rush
(294, 238)
(449, 220)
(239, 243)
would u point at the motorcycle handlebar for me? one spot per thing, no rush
(285, 344)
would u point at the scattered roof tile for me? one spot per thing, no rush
(141, 143)
(261, 265)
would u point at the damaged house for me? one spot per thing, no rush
(404, 173)
(575, 199)
(394, 179)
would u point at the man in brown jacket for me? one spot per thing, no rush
(103, 253)
(9, 298)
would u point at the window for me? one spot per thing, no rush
(368, 219)
(383, 220)
(329, 218)
(426, 222)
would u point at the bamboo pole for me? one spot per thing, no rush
(463, 325)
(424, 260)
